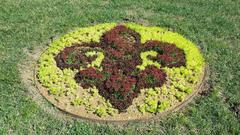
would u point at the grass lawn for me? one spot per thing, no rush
(214, 25)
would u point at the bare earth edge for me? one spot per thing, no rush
(28, 74)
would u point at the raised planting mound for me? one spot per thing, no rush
(120, 72)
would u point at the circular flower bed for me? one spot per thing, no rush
(120, 71)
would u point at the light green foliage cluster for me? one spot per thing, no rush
(105, 110)
(152, 101)
(97, 62)
(146, 61)
(181, 80)
(94, 103)
(57, 81)
(77, 101)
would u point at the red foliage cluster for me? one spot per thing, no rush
(91, 76)
(120, 81)
(73, 56)
(114, 54)
(151, 77)
(168, 54)
(121, 38)
(119, 90)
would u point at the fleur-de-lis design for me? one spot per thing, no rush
(120, 65)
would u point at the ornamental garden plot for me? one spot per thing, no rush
(120, 71)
